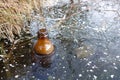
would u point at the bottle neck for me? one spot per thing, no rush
(42, 33)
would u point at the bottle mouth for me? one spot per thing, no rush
(42, 33)
(42, 30)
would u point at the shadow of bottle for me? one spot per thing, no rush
(44, 61)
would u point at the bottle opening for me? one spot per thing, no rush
(42, 33)
(43, 30)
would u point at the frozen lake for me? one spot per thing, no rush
(87, 41)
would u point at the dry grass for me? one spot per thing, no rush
(13, 14)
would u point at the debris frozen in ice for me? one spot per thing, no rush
(83, 51)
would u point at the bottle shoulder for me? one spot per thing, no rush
(43, 42)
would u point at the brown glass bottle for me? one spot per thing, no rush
(43, 49)
(43, 46)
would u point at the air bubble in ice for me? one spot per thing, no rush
(112, 76)
(16, 76)
(4, 67)
(117, 56)
(63, 58)
(105, 53)
(91, 70)
(11, 65)
(53, 77)
(33, 76)
(14, 47)
(6, 70)
(65, 71)
(95, 77)
(22, 56)
(33, 64)
(0, 59)
(1, 78)
(63, 67)
(48, 74)
(6, 50)
(24, 65)
(105, 70)
(74, 56)
(80, 75)
(115, 67)
(1, 71)
(114, 63)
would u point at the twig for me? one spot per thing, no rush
(20, 43)
(26, 41)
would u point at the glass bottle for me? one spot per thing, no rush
(43, 46)
(43, 49)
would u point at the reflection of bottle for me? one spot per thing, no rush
(43, 48)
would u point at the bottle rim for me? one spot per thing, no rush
(42, 32)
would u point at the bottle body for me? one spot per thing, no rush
(43, 46)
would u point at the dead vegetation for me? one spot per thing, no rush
(13, 13)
